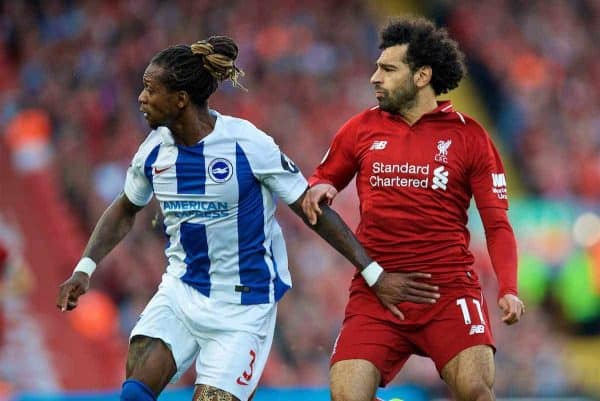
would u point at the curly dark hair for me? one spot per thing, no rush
(427, 45)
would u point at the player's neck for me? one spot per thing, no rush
(192, 127)
(425, 103)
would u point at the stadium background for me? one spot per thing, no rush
(70, 72)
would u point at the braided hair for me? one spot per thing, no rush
(199, 68)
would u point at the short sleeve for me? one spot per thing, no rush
(274, 169)
(339, 165)
(137, 187)
(488, 178)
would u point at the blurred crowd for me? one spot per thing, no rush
(540, 62)
(70, 74)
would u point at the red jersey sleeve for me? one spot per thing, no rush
(488, 181)
(340, 164)
(502, 248)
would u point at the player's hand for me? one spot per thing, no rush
(512, 308)
(314, 197)
(393, 288)
(71, 290)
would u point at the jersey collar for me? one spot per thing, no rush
(444, 107)
(445, 110)
(165, 136)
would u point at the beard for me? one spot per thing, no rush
(400, 99)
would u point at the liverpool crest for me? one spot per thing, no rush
(442, 147)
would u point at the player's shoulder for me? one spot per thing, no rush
(243, 131)
(150, 144)
(467, 120)
(366, 118)
(468, 125)
(153, 139)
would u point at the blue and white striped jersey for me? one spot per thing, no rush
(218, 202)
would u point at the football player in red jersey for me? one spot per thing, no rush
(417, 164)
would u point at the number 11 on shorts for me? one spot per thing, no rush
(462, 303)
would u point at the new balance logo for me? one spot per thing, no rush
(440, 178)
(477, 329)
(378, 145)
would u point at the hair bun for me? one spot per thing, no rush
(203, 48)
(219, 53)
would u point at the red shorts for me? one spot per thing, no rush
(458, 320)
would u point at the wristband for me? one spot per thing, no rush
(85, 265)
(371, 273)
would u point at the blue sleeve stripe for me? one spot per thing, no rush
(149, 162)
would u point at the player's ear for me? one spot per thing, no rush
(422, 76)
(183, 98)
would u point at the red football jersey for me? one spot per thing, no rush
(415, 185)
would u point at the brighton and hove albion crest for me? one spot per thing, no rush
(220, 170)
(442, 147)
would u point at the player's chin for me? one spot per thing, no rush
(385, 106)
(153, 124)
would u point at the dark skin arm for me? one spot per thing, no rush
(390, 288)
(113, 225)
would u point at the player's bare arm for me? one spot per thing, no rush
(390, 288)
(317, 194)
(113, 225)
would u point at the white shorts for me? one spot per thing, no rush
(230, 342)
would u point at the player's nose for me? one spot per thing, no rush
(142, 97)
(375, 78)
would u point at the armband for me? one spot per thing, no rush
(371, 273)
(85, 265)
